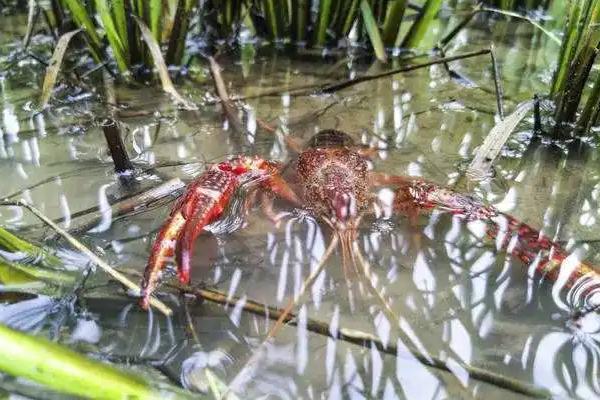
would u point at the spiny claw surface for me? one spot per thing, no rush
(202, 203)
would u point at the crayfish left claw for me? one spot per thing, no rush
(202, 204)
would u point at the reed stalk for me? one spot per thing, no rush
(393, 19)
(322, 22)
(577, 57)
(372, 30)
(114, 39)
(300, 19)
(420, 27)
(179, 32)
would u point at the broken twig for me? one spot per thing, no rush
(360, 338)
(333, 87)
(256, 357)
(497, 83)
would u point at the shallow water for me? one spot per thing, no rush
(455, 296)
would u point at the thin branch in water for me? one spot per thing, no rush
(360, 338)
(305, 285)
(387, 309)
(461, 25)
(127, 205)
(333, 87)
(537, 117)
(229, 108)
(159, 305)
(497, 83)
(552, 36)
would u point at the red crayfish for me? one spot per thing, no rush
(331, 178)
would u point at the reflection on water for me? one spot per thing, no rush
(458, 298)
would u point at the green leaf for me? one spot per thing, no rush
(112, 35)
(420, 27)
(81, 17)
(120, 17)
(372, 30)
(393, 19)
(156, 19)
(322, 22)
(54, 67)
(66, 371)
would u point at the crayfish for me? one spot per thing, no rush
(332, 179)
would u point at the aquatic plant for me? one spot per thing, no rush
(576, 106)
(109, 24)
(67, 372)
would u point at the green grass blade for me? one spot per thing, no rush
(84, 21)
(112, 35)
(179, 32)
(590, 111)
(161, 66)
(68, 372)
(350, 17)
(300, 19)
(420, 27)
(579, 71)
(54, 67)
(393, 19)
(372, 30)
(275, 18)
(120, 17)
(568, 47)
(156, 9)
(322, 22)
(12, 272)
(14, 244)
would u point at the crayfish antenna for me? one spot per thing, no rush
(347, 238)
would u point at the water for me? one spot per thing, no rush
(457, 298)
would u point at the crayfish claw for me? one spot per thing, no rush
(202, 204)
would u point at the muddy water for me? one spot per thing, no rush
(453, 296)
